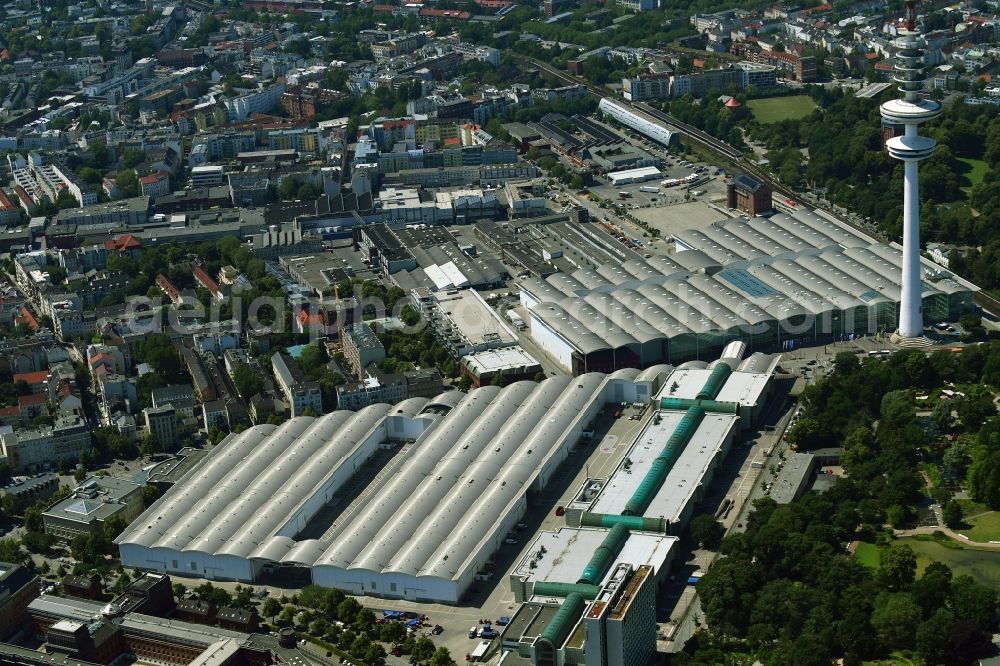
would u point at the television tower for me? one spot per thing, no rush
(910, 111)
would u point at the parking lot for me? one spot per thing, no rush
(708, 185)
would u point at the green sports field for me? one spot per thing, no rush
(776, 109)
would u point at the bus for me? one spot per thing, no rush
(480, 651)
(624, 195)
(880, 353)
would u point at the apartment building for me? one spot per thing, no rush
(361, 347)
(298, 393)
(41, 448)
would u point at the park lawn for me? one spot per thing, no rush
(985, 528)
(776, 109)
(971, 507)
(867, 554)
(898, 658)
(974, 175)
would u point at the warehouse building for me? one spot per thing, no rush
(772, 283)
(640, 122)
(698, 413)
(459, 483)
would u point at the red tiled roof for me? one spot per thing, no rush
(10, 411)
(205, 279)
(5, 202)
(102, 358)
(27, 317)
(23, 195)
(122, 243)
(164, 283)
(32, 378)
(306, 317)
(33, 399)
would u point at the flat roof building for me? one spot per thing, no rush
(509, 363)
(95, 501)
(797, 471)
(563, 555)
(465, 323)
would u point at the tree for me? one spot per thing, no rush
(150, 494)
(318, 627)
(128, 183)
(807, 434)
(895, 619)
(375, 654)
(270, 608)
(957, 457)
(933, 639)
(898, 567)
(348, 609)
(952, 514)
(150, 444)
(707, 531)
(984, 476)
(307, 192)
(442, 657)
(133, 158)
(114, 526)
(941, 416)
(968, 642)
(360, 645)
(973, 601)
(10, 551)
(214, 595)
(160, 353)
(423, 649)
(247, 382)
(933, 589)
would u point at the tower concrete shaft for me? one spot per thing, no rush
(910, 111)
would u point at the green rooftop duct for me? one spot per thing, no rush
(560, 626)
(636, 523)
(713, 406)
(657, 474)
(544, 588)
(605, 554)
(716, 380)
